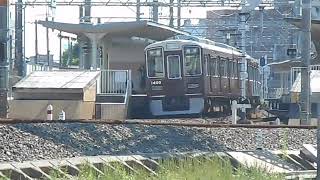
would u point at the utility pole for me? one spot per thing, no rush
(155, 11)
(306, 57)
(243, 62)
(36, 42)
(4, 54)
(60, 50)
(87, 11)
(171, 13)
(179, 14)
(138, 11)
(18, 65)
(48, 47)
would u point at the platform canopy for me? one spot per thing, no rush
(143, 29)
(314, 82)
(315, 27)
(57, 80)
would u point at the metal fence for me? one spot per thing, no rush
(113, 82)
(276, 93)
(295, 71)
(35, 67)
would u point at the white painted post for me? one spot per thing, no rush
(49, 112)
(234, 111)
(62, 115)
(259, 137)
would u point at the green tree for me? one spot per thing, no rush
(74, 56)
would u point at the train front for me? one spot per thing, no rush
(174, 78)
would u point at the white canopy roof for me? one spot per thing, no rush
(314, 84)
(144, 29)
(57, 80)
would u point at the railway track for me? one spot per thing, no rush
(158, 123)
(35, 140)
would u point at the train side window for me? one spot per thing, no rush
(222, 67)
(235, 71)
(155, 63)
(215, 67)
(253, 74)
(249, 72)
(211, 65)
(239, 69)
(226, 68)
(207, 61)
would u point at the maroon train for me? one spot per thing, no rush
(192, 77)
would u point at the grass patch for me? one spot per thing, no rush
(186, 169)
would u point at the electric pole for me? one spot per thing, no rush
(4, 54)
(155, 11)
(18, 65)
(138, 13)
(179, 14)
(171, 14)
(306, 57)
(243, 62)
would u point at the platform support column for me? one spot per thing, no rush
(95, 39)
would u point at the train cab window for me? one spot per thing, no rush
(192, 63)
(174, 67)
(155, 63)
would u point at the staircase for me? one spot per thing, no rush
(113, 95)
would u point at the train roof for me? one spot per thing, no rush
(203, 43)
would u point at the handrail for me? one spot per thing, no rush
(128, 93)
(110, 83)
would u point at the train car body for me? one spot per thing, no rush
(191, 77)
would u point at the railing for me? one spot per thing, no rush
(114, 82)
(276, 93)
(295, 71)
(36, 67)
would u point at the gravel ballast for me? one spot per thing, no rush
(24, 142)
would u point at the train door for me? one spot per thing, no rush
(174, 85)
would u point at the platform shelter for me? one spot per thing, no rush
(116, 45)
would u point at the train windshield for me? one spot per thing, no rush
(192, 64)
(155, 63)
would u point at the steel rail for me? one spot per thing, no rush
(117, 3)
(154, 123)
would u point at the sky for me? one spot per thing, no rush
(70, 14)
